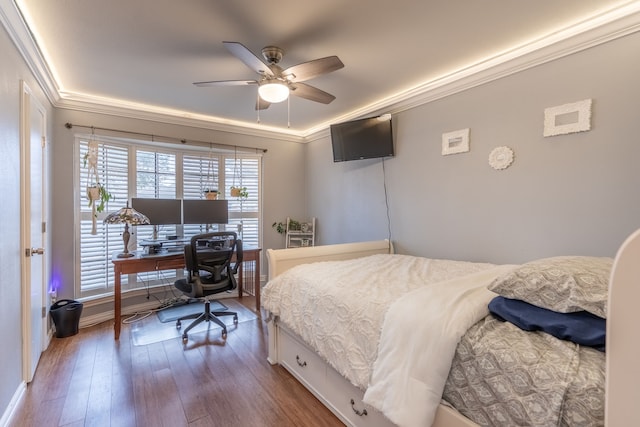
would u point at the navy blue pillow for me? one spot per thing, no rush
(580, 327)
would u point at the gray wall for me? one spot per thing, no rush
(572, 194)
(12, 70)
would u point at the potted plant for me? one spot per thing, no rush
(294, 225)
(280, 227)
(240, 192)
(210, 193)
(98, 196)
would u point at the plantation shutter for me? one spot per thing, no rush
(241, 171)
(96, 270)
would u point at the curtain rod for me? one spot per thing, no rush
(180, 140)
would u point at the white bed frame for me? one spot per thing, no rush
(345, 400)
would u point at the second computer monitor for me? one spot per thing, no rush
(196, 211)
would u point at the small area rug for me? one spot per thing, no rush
(151, 330)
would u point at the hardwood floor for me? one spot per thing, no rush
(92, 380)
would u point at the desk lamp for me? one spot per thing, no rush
(126, 216)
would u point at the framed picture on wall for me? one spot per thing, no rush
(455, 142)
(567, 118)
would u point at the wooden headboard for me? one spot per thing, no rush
(280, 260)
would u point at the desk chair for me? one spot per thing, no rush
(210, 271)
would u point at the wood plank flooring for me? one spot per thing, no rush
(92, 380)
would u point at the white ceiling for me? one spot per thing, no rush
(145, 54)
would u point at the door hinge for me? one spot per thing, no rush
(44, 142)
(44, 312)
(44, 227)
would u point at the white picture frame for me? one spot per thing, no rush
(455, 142)
(567, 118)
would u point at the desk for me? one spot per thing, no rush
(171, 261)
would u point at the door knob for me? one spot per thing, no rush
(35, 251)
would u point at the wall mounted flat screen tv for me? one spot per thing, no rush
(159, 211)
(362, 139)
(199, 211)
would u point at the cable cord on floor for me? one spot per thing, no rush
(386, 201)
(140, 315)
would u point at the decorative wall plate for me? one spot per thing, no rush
(501, 157)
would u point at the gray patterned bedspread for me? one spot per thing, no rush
(503, 376)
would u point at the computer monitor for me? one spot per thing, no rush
(159, 211)
(197, 211)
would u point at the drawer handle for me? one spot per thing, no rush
(301, 364)
(358, 413)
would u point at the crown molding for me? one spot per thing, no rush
(594, 31)
(22, 38)
(589, 33)
(584, 35)
(120, 108)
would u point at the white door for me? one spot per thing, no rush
(33, 118)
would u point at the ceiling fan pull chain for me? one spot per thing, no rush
(258, 105)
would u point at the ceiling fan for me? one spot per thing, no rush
(275, 84)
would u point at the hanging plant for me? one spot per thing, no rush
(240, 192)
(97, 193)
(210, 194)
(210, 191)
(98, 196)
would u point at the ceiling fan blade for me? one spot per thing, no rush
(311, 69)
(261, 104)
(311, 93)
(226, 83)
(245, 55)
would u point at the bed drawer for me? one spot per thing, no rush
(304, 364)
(347, 400)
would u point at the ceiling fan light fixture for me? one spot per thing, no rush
(273, 92)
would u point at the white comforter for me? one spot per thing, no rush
(415, 353)
(339, 308)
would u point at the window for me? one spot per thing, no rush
(244, 172)
(140, 170)
(199, 174)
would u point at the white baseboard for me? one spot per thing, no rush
(13, 404)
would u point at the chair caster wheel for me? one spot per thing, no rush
(185, 338)
(178, 325)
(235, 320)
(224, 334)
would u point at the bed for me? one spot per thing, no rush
(355, 351)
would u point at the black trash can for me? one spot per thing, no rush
(66, 316)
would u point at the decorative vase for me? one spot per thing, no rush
(235, 192)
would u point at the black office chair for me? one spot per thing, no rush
(210, 271)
